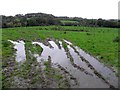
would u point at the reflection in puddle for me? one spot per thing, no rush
(67, 42)
(77, 60)
(107, 73)
(38, 57)
(54, 52)
(20, 53)
(59, 56)
(86, 78)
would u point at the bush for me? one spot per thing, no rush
(117, 39)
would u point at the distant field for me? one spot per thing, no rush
(69, 21)
(96, 41)
(65, 21)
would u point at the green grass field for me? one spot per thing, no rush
(69, 21)
(96, 41)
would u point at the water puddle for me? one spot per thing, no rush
(78, 61)
(59, 56)
(85, 69)
(55, 53)
(107, 73)
(67, 42)
(20, 53)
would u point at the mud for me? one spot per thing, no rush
(99, 68)
(79, 69)
(59, 56)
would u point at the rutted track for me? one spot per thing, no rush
(83, 69)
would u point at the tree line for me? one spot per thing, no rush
(42, 19)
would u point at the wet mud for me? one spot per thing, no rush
(79, 69)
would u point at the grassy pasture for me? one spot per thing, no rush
(68, 21)
(96, 41)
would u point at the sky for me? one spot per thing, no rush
(91, 9)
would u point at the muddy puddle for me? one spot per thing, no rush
(86, 77)
(106, 72)
(19, 46)
(84, 69)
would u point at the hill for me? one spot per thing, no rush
(42, 19)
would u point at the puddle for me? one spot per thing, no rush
(39, 59)
(78, 61)
(59, 56)
(79, 69)
(55, 53)
(20, 53)
(67, 42)
(107, 73)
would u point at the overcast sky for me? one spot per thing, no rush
(106, 9)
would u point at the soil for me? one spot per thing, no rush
(55, 67)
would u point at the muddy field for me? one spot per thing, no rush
(57, 64)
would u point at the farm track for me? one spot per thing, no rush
(71, 65)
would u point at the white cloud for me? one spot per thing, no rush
(81, 8)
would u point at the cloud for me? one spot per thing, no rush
(81, 8)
